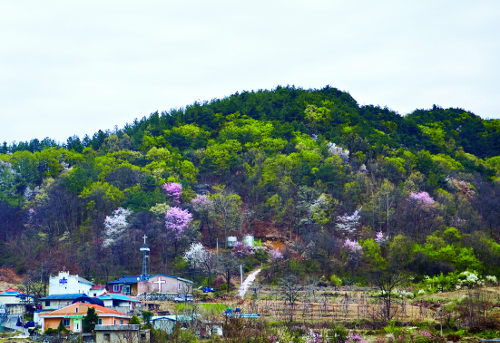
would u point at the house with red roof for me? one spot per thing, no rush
(97, 290)
(15, 301)
(72, 317)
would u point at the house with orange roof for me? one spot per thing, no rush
(72, 317)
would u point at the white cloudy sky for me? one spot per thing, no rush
(74, 67)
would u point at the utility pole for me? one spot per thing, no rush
(217, 247)
(241, 281)
(441, 319)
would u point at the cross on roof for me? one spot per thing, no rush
(145, 238)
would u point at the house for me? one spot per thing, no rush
(164, 323)
(64, 283)
(97, 290)
(165, 284)
(57, 301)
(125, 284)
(73, 314)
(119, 302)
(121, 333)
(167, 323)
(15, 301)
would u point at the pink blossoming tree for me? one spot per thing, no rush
(422, 197)
(173, 190)
(177, 219)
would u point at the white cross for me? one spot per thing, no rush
(159, 282)
(145, 238)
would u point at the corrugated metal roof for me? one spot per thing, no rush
(117, 297)
(63, 296)
(126, 280)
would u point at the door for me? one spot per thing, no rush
(77, 325)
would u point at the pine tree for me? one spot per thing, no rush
(90, 320)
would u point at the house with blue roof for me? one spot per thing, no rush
(57, 301)
(119, 302)
(125, 285)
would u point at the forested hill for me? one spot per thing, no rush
(289, 165)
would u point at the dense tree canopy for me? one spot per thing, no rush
(343, 186)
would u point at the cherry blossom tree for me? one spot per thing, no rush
(352, 246)
(422, 197)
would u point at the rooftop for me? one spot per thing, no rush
(70, 310)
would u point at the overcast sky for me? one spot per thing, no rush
(74, 67)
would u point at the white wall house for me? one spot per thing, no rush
(64, 283)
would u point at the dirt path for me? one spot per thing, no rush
(248, 281)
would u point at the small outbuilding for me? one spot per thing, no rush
(129, 333)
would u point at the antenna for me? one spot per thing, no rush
(145, 251)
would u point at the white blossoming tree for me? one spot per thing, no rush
(115, 225)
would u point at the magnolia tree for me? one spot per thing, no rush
(173, 190)
(115, 225)
(347, 223)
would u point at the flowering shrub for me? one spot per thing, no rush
(201, 203)
(242, 250)
(313, 337)
(380, 239)
(466, 188)
(352, 246)
(173, 190)
(491, 278)
(338, 151)
(422, 197)
(177, 219)
(355, 339)
(276, 255)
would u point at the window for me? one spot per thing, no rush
(99, 321)
(76, 310)
(66, 322)
(47, 303)
(179, 286)
(121, 322)
(116, 288)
